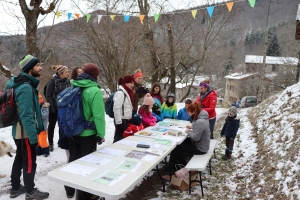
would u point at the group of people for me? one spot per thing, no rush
(38, 117)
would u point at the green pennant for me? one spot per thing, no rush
(88, 17)
(156, 17)
(252, 3)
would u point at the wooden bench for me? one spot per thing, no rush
(199, 162)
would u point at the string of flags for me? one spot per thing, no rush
(126, 18)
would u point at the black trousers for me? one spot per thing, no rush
(25, 159)
(119, 133)
(212, 123)
(51, 126)
(177, 155)
(79, 147)
(229, 143)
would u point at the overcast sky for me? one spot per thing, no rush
(11, 18)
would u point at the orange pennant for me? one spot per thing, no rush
(142, 17)
(230, 5)
(77, 15)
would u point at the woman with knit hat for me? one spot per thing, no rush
(58, 83)
(146, 111)
(139, 91)
(123, 101)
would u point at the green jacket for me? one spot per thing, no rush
(93, 106)
(26, 98)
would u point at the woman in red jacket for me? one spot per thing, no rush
(208, 100)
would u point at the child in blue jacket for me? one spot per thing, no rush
(230, 129)
(182, 114)
(156, 113)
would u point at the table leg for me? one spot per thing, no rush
(201, 183)
(215, 153)
(168, 167)
(76, 195)
(210, 166)
(190, 182)
(164, 188)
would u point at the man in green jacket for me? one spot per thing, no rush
(93, 110)
(26, 131)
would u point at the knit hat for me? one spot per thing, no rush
(128, 79)
(136, 119)
(232, 111)
(91, 69)
(28, 62)
(171, 95)
(59, 68)
(155, 107)
(148, 100)
(138, 74)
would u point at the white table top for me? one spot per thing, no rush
(175, 124)
(120, 188)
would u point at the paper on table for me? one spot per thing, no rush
(149, 158)
(129, 165)
(163, 141)
(78, 169)
(128, 143)
(95, 160)
(160, 129)
(156, 151)
(136, 154)
(152, 145)
(111, 151)
(110, 177)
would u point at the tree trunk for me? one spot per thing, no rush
(31, 32)
(172, 60)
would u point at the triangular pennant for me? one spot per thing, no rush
(210, 10)
(58, 14)
(99, 18)
(88, 17)
(194, 13)
(252, 3)
(112, 17)
(230, 5)
(126, 18)
(77, 15)
(69, 16)
(156, 17)
(142, 17)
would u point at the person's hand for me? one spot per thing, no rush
(187, 130)
(152, 124)
(99, 140)
(188, 126)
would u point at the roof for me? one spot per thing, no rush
(298, 13)
(185, 83)
(272, 60)
(238, 76)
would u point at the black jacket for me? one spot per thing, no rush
(54, 87)
(230, 127)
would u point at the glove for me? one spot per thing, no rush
(152, 124)
(140, 90)
(99, 140)
(119, 127)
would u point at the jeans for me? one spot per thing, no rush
(212, 123)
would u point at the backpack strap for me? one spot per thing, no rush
(123, 110)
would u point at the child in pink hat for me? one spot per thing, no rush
(146, 111)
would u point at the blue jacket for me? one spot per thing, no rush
(183, 115)
(158, 117)
(230, 127)
(45, 115)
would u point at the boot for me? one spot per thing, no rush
(227, 155)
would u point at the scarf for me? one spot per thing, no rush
(169, 104)
(203, 95)
(130, 92)
(85, 76)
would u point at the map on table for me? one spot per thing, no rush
(78, 169)
(129, 165)
(166, 124)
(141, 155)
(94, 160)
(110, 151)
(164, 141)
(160, 129)
(110, 177)
(145, 133)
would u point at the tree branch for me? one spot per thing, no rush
(50, 8)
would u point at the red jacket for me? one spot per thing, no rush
(132, 129)
(209, 104)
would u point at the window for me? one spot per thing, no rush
(231, 99)
(231, 88)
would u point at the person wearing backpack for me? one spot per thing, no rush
(58, 83)
(122, 108)
(93, 110)
(25, 132)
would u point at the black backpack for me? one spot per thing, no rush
(9, 111)
(109, 105)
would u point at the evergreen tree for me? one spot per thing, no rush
(274, 48)
(229, 64)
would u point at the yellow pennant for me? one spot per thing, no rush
(230, 5)
(194, 13)
(142, 17)
(112, 17)
(58, 14)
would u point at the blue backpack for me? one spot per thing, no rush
(71, 119)
(109, 105)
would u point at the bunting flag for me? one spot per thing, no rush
(194, 13)
(77, 15)
(112, 17)
(142, 17)
(99, 18)
(156, 17)
(210, 10)
(58, 14)
(230, 5)
(69, 16)
(88, 17)
(252, 3)
(126, 18)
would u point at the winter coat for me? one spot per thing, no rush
(93, 106)
(122, 108)
(200, 132)
(159, 118)
(42, 139)
(158, 100)
(209, 103)
(26, 98)
(52, 92)
(137, 96)
(147, 118)
(45, 115)
(169, 112)
(132, 129)
(183, 115)
(231, 127)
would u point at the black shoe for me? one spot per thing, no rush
(226, 157)
(70, 196)
(51, 147)
(36, 194)
(16, 193)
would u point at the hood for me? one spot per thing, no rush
(203, 115)
(85, 83)
(12, 83)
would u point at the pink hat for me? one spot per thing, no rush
(148, 100)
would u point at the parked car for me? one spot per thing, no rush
(236, 104)
(249, 101)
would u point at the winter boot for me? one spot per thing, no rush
(36, 194)
(51, 147)
(16, 193)
(227, 155)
